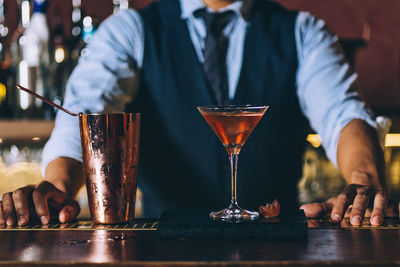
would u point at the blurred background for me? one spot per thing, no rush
(42, 40)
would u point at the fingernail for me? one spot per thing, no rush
(10, 222)
(335, 218)
(356, 220)
(64, 217)
(21, 220)
(376, 220)
(44, 220)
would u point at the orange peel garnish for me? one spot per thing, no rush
(270, 209)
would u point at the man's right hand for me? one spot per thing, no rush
(40, 200)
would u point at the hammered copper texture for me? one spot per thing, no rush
(110, 146)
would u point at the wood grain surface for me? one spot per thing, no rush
(324, 245)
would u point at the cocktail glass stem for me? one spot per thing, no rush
(234, 213)
(233, 159)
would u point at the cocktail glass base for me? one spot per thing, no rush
(234, 213)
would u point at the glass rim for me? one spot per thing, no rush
(114, 114)
(232, 107)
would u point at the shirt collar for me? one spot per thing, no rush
(188, 7)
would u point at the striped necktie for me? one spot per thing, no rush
(214, 53)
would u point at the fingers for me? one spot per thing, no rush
(8, 209)
(316, 210)
(69, 211)
(40, 196)
(20, 198)
(47, 194)
(2, 218)
(15, 207)
(379, 209)
(313, 210)
(342, 203)
(360, 204)
(398, 209)
(392, 208)
(359, 197)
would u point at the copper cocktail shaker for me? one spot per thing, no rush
(110, 149)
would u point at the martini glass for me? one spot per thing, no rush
(233, 125)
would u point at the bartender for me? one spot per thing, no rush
(174, 55)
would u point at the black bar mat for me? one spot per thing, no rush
(198, 224)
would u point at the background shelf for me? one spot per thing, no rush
(36, 130)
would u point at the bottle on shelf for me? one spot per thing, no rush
(83, 28)
(5, 95)
(120, 5)
(29, 50)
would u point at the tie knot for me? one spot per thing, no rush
(215, 22)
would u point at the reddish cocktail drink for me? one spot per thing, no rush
(232, 128)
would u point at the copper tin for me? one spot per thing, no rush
(110, 149)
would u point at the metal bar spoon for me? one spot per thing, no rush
(47, 101)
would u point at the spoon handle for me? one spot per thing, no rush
(46, 100)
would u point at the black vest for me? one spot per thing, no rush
(182, 163)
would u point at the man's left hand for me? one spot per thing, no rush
(354, 196)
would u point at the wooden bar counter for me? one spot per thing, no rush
(137, 244)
